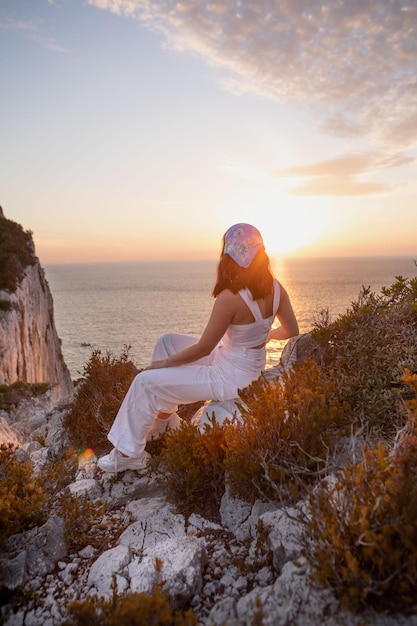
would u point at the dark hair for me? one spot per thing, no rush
(257, 277)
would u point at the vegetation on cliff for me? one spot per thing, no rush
(16, 252)
(367, 351)
(136, 609)
(361, 532)
(105, 381)
(12, 395)
(27, 498)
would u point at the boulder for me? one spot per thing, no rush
(33, 553)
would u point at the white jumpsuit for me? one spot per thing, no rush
(232, 365)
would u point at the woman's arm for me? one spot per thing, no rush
(287, 319)
(221, 316)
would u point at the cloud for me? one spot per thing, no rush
(353, 61)
(341, 186)
(30, 30)
(348, 165)
(343, 175)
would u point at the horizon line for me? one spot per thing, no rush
(215, 259)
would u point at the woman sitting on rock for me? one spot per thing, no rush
(229, 355)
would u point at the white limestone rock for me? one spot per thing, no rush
(240, 517)
(182, 562)
(7, 433)
(109, 563)
(33, 553)
(154, 523)
(86, 486)
(29, 342)
(284, 536)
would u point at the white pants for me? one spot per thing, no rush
(218, 376)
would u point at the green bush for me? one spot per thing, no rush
(361, 532)
(367, 350)
(12, 395)
(16, 253)
(285, 440)
(105, 382)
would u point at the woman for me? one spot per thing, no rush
(229, 355)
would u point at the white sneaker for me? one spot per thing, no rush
(160, 425)
(116, 462)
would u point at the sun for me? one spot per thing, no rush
(289, 234)
(288, 224)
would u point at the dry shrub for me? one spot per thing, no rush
(286, 434)
(105, 382)
(78, 511)
(56, 474)
(80, 515)
(133, 609)
(190, 468)
(361, 532)
(281, 446)
(27, 499)
(21, 495)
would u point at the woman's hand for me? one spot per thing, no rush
(155, 365)
(286, 317)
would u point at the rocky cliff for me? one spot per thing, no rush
(30, 350)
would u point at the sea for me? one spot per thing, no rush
(114, 306)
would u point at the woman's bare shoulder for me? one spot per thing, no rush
(230, 301)
(227, 296)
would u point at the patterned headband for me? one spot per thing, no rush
(242, 242)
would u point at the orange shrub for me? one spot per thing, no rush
(105, 382)
(286, 434)
(21, 495)
(190, 468)
(361, 531)
(132, 609)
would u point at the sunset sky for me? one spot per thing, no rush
(140, 129)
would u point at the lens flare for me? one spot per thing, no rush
(86, 457)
